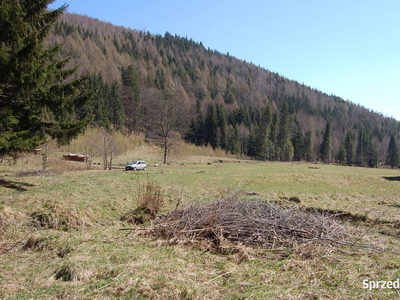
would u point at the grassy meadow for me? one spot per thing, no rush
(61, 238)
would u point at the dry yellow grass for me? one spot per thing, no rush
(82, 254)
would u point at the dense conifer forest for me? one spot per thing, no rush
(172, 87)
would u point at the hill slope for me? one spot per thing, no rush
(217, 88)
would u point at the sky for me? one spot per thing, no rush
(348, 48)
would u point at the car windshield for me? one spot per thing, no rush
(133, 163)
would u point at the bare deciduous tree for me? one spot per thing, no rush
(110, 148)
(165, 117)
(100, 143)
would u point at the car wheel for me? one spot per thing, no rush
(144, 169)
(134, 169)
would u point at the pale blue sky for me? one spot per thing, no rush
(349, 48)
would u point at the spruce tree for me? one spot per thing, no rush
(284, 135)
(211, 125)
(325, 149)
(342, 156)
(36, 101)
(393, 153)
(251, 144)
(348, 147)
(196, 131)
(116, 111)
(131, 98)
(261, 142)
(98, 105)
(308, 146)
(221, 126)
(273, 137)
(297, 141)
(372, 155)
(232, 140)
(362, 148)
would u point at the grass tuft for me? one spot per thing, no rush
(149, 200)
(150, 197)
(64, 273)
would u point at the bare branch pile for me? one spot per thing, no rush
(249, 223)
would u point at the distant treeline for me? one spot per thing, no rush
(217, 100)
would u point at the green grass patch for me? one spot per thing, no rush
(61, 236)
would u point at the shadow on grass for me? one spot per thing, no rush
(395, 205)
(393, 178)
(19, 186)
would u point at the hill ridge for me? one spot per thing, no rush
(203, 76)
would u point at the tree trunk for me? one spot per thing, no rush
(110, 161)
(166, 149)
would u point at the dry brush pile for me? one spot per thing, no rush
(248, 223)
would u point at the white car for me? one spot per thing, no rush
(136, 165)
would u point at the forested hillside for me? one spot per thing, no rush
(171, 87)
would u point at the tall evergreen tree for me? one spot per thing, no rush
(342, 156)
(308, 146)
(160, 81)
(262, 143)
(232, 140)
(116, 107)
(393, 153)
(372, 154)
(131, 99)
(211, 125)
(362, 148)
(98, 105)
(221, 126)
(36, 101)
(251, 143)
(325, 149)
(348, 147)
(195, 130)
(284, 136)
(195, 133)
(297, 141)
(273, 136)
